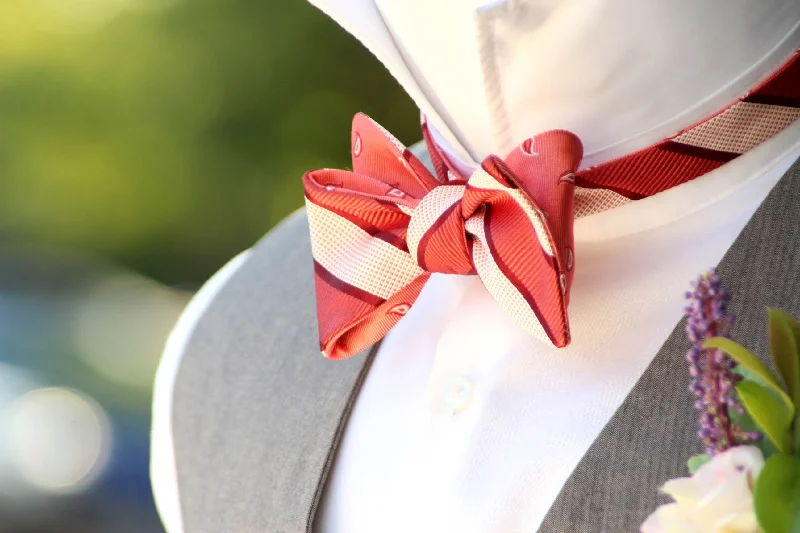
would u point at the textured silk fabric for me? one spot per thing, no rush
(379, 231)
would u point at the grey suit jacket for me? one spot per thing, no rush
(258, 413)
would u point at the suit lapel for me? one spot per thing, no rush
(650, 437)
(254, 394)
(257, 411)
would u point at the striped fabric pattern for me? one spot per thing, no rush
(380, 230)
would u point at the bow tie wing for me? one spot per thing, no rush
(365, 278)
(378, 155)
(519, 214)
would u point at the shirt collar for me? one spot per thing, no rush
(364, 20)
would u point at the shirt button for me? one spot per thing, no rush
(458, 394)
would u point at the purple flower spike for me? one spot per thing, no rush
(711, 370)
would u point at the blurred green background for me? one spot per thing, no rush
(143, 143)
(170, 134)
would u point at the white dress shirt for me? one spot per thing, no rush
(465, 423)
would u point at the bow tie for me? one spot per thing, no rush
(380, 231)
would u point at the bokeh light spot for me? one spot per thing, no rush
(60, 439)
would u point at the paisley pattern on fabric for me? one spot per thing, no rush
(378, 232)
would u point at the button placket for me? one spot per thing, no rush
(453, 381)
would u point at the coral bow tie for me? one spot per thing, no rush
(378, 232)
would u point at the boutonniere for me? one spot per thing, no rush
(748, 479)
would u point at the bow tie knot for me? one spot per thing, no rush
(377, 234)
(437, 237)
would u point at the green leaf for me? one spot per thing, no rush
(777, 495)
(747, 359)
(795, 326)
(771, 414)
(745, 422)
(784, 337)
(695, 462)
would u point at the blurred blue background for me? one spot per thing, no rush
(143, 143)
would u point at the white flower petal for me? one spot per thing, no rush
(676, 518)
(716, 499)
(652, 524)
(730, 464)
(741, 523)
(683, 490)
